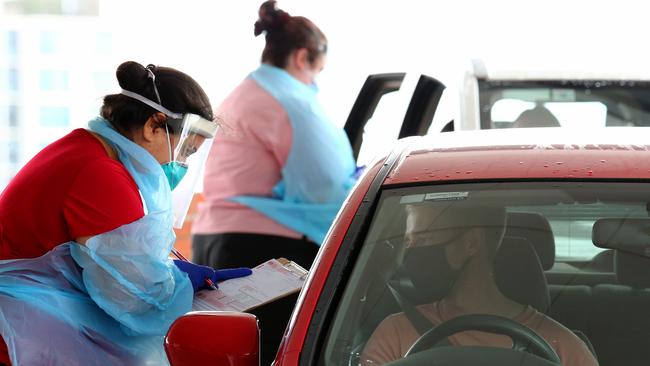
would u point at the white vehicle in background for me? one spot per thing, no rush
(489, 97)
(493, 98)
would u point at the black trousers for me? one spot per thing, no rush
(249, 250)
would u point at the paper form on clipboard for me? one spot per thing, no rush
(269, 281)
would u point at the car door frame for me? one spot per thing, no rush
(374, 88)
(348, 251)
(422, 107)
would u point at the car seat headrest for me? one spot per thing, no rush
(632, 269)
(519, 275)
(536, 229)
(536, 117)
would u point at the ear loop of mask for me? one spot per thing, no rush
(169, 144)
(169, 141)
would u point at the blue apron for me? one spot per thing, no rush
(108, 302)
(320, 167)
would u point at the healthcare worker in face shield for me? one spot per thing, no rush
(86, 229)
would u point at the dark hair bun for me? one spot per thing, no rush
(270, 18)
(132, 76)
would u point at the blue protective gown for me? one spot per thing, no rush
(320, 168)
(109, 302)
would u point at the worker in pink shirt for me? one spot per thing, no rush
(467, 240)
(281, 169)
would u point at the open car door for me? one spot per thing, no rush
(418, 116)
(374, 88)
(423, 106)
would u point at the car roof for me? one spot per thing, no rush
(527, 153)
(536, 70)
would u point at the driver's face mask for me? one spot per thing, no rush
(433, 256)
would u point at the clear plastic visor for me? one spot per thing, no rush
(192, 149)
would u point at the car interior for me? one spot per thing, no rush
(602, 298)
(515, 104)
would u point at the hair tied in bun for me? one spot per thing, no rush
(270, 17)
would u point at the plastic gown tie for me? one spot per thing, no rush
(108, 302)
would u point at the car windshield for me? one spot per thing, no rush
(510, 254)
(506, 104)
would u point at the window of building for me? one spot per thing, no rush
(55, 116)
(50, 42)
(12, 42)
(12, 80)
(14, 152)
(13, 116)
(54, 80)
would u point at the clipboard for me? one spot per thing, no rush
(271, 280)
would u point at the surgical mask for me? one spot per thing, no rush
(314, 83)
(445, 274)
(435, 257)
(174, 170)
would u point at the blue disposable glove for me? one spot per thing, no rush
(358, 171)
(198, 273)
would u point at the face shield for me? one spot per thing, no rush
(189, 156)
(195, 136)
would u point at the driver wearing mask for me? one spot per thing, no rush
(466, 240)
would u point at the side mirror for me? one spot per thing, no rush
(214, 338)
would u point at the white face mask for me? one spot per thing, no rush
(316, 70)
(314, 82)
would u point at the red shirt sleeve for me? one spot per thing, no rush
(4, 353)
(102, 197)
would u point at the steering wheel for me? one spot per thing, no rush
(523, 338)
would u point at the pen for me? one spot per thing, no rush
(181, 257)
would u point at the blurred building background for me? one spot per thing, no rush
(58, 57)
(52, 75)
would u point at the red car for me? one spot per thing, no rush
(548, 264)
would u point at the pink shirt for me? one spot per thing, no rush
(246, 159)
(395, 335)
